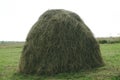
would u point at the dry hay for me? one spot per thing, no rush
(59, 42)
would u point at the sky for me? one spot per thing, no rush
(18, 16)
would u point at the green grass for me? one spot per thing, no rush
(9, 60)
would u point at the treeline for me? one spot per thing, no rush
(108, 40)
(11, 42)
(102, 40)
(17, 44)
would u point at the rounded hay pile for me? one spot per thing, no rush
(59, 42)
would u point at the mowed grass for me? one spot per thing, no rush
(9, 60)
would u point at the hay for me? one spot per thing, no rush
(59, 42)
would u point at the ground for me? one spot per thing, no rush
(10, 54)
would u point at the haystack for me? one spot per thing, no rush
(59, 42)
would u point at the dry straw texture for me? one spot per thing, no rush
(59, 42)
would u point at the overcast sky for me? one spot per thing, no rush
(18, 16)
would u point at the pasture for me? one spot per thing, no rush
(10, 54)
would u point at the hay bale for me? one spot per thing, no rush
(59, 42)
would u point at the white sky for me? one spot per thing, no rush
(18, 16)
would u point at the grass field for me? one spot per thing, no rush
(9, 60)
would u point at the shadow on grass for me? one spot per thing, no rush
(116, 77)
(61, 76)
(94, 74)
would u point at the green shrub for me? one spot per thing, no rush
(108, 40)
(103, 41)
